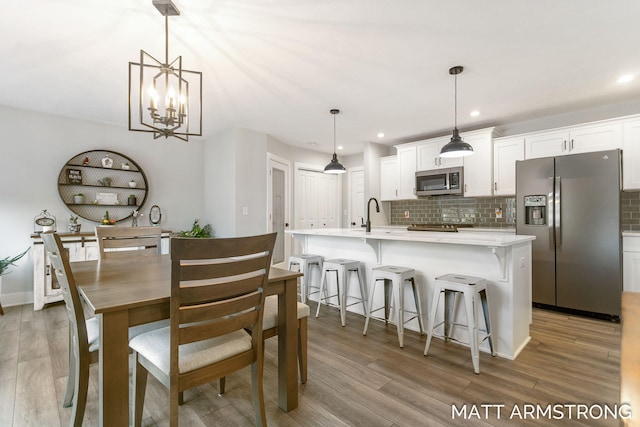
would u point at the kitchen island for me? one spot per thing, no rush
(504, 259)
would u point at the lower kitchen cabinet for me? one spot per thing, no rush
(631, 262)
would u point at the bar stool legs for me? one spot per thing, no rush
(473, 291)
(342, 268)
(394, 279)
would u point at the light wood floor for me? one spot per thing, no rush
(353, 380)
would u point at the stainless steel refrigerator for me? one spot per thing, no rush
(572, 205)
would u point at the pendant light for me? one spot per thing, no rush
(334, 166)
(456, 147)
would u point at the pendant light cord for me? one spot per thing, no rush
(166, 39)
(455, 101)
(334, 134)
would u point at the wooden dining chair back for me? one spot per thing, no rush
(120, 242)
(82, 342)
(217, 295)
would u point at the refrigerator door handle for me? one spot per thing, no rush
(550, 210)
(557, 214)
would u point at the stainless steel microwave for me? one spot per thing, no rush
(440, 181)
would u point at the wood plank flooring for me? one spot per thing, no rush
(353, 380)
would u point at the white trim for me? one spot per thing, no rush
(274, 161)
(350, 171)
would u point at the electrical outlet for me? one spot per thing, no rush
(498, 212)
(406, 214)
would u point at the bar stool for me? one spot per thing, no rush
(305, 262)
(342, 267)
(471, 288)
(397, 276)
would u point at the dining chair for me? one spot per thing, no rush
(118, 242)
(84, 333)
(217, 294)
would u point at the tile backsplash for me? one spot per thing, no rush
(630, 211)
(481, 211)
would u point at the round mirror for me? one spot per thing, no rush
(155, 215)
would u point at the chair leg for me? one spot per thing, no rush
(221, 385)
(487, 320)
(81, 387)
(67, 401)
(470, 305)
(257, 392)
(302, 349)
(1, 310)
(140, 387)
(398, 291)
(432, 320)
(368, 312)
(323, 287)
(416, 297)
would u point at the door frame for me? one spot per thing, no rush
(276, 162)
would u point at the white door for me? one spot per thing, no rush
(356, 197)
(278, 185)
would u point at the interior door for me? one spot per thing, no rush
(356, 197)
(278, 209)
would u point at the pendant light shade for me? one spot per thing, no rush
(456, 147)
(334, 166)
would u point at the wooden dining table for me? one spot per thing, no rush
(128, 292)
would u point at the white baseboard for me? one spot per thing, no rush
(18, 298)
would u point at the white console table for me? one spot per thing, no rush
(81, 247)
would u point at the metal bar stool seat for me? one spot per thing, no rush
(342, 268)
(474, 291)
(305, 264)
(397, 277)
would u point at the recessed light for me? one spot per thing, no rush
(475, 113)
(625, 79)
(339, 147)
(380, 135)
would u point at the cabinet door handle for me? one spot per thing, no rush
(435, 161)
(572, 144)
(495, 186)
(564, 145)
(465, 188)
(396, 193)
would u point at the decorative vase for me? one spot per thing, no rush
(132, 200)
(133, 184)
(74, 228)
(78, 200)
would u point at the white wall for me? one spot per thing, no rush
(35, 147)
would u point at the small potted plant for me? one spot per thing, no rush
(133, 184)
(78, 199)
(106, 220)
(73, 225)
(197, 231)
(4, 266)
(125, 166)
(132, 200)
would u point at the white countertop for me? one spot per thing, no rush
(462, 237)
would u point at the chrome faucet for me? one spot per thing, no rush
(369, 214)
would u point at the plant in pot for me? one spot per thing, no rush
(4, 267)
(133, 184)
(78, 199)
(73, 225)
(132, 200)
(197, 231)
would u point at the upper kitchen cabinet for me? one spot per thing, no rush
(506, 151)
(428, 153)
(478, 167)
(574, 140)
(398, 174)
(631, 155)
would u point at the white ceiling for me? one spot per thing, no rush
(279, 66)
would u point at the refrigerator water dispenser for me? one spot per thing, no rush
(535, 210)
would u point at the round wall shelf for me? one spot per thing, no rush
(107, 181)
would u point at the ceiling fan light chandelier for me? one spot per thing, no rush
(456, 147)
(166, 97)
(334, 165)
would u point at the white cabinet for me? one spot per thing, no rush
(631, 263)
(631, 155)
(398, 175)
(478, 167)
(506, 151)
(428, 155)
(407, 173)
(388, 178)
(579, 139)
